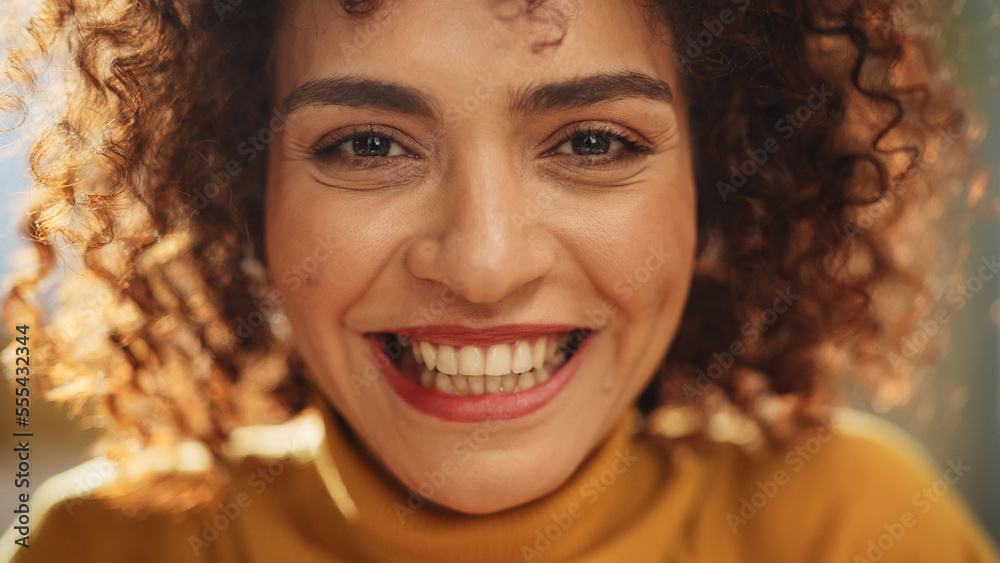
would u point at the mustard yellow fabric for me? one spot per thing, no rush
(854, 492)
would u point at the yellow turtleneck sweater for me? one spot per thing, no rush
(853, 493)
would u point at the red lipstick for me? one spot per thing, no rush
(478, 408)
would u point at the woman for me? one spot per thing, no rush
(486, 241)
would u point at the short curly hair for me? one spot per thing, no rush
(818, 129)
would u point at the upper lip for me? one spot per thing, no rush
(460, 335)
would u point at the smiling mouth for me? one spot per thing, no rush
(476, 370)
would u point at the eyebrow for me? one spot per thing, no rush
(360, 92)
(590, 90)
(573, 93)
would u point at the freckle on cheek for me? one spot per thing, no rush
(310, 282)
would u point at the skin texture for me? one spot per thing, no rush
(484, 217)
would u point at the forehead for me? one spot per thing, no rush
(439, 45)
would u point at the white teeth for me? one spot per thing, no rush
(446, 361)
(541, 375)
(509, 382)
(498, 359)
(526, 381)
(471, 360)
(522, 357)
(500, 368)
(477, 385)
(460, 383)
(443, 383)
(463, 385)
(538, 353)
(493, 383)
(429, 355)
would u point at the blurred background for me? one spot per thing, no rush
(956, 415)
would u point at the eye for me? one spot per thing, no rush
(593, 145)
(371, 146)
(366, 157)
(368, 143)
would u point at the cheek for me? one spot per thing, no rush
(313, 252)
(641, 253)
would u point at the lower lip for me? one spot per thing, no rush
(477, 408)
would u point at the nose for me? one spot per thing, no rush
(484, 238)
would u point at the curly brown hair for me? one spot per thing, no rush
(818, 130)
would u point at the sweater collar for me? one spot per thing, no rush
(387, 520)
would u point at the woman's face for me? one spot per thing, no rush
(449, 174)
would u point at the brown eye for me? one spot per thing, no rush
(594, 144)
(371, 146)
(365, 143)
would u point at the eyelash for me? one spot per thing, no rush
(329, 151)
(633, 145)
